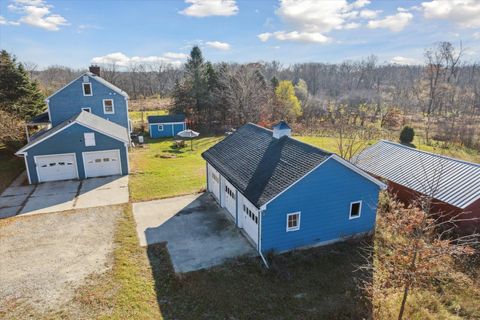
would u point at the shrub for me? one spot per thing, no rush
(407, 134)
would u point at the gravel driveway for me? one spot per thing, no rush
(45, 258)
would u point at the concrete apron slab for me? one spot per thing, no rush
(65, 195)
(198, 233)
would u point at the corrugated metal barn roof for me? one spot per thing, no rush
(450, 180)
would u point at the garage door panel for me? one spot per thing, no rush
(56, 167)
(102, 163)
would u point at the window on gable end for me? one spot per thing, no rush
(87, 89)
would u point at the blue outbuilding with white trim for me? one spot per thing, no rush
(166, 126)
(286, 194)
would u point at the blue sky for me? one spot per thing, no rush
(75, 33)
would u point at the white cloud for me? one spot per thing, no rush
(476, 35)
(205, 8)
(37, 13)
(369, 14)
(5, 22)
(395, 22)
(464, 13)
(122, 60)
(404, 61)
(312, 20)
(218, 45)
(314, 37)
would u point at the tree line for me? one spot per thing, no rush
(441, 97)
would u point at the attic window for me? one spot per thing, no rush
(108, 106)
(293, 221)
(89, 138)
(87, 89)
(355, 209)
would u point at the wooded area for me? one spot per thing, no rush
(440, 99)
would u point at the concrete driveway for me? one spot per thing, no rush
(63, 195)
(198, 233)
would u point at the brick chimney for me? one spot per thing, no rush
(95, 70)
(281, 129)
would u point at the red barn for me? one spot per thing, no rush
(453, 184)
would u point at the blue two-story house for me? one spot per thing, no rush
(286, 194)
(87, 132)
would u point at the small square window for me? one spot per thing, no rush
(89, 139)
(293, 221)
(87, 89)
(355, 209)
(108, 106)
(160, 127)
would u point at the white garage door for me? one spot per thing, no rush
(230, 198)
(102, 163)
(249, 223)
(56, 167)
(214, 181)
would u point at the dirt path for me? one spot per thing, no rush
(45, 258)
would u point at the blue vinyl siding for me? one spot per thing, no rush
(169, 130)
(323, 197)
(70, 101)
(71, 140)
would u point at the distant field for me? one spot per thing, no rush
(151, 103)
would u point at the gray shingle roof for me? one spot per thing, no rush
(260, 166)
(86, 119)
(166, 118)
(450, 180)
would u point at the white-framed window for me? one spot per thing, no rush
(87, 89)
(293, 221)
(87, 109)
(108, 107)
(160, 127)
(355, 209)
(89, 138)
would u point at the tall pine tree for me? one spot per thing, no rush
(19, 95)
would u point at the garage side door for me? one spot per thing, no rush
(56, 167)
(102, 163)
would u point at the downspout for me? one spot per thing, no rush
(260, 213)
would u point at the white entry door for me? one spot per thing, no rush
(230, 199)
(102, 163)
(56, 167)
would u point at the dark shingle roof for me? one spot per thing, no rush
(167, 118)
(260, 166)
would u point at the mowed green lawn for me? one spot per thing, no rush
(161, 171)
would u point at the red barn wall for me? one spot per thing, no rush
(407, 195)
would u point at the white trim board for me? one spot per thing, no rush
(157, 123)
(22, 151)
(91, 76)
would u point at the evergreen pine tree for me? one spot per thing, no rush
(18, 94)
